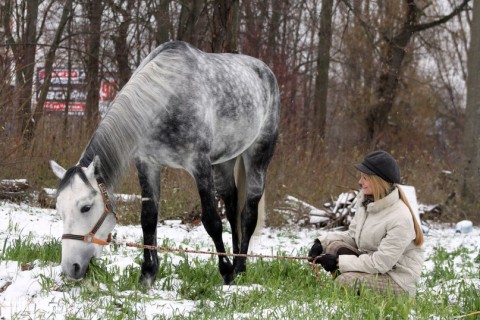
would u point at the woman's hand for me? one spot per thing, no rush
(329, 262)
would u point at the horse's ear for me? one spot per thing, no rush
(94, 167)
(57, 169)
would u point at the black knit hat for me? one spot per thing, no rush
(382, 164)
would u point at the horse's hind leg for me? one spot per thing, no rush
(210, 218)
(256, 160)
(149, 179)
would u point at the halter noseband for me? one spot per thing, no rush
(90, 237)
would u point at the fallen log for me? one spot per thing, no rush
(14, 189)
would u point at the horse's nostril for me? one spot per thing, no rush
(76, 267)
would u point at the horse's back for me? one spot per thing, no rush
(221, 101)
(225, 79)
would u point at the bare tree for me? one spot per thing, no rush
(225, 26)
(37, 112)
(471, 165)
(323, 66)
(273, 30)
(189, 17)
(3, 51)
(162, 17)
(254, 15)
(23, 46)
(392, 59)
(123, 16)
(94, 11)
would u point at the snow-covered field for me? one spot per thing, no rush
(22, 292)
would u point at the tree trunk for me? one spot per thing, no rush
(162, 17)
(388, 83)
(24, 52)
(189, 16)
(252, 41)
(37, 113)
(323, 65)
(273, 32)
(471, 166)
(395, 53)
(6, 109)
(4, 83)
(94, 10)
(225, 26)
(120, 41)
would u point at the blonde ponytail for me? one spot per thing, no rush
(416, 225)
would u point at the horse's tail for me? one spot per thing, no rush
(241, 184)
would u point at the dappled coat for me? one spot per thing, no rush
(384, 233)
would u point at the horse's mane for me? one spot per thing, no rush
(131, 113)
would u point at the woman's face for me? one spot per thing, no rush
(365, 184)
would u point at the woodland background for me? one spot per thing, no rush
(354, 76)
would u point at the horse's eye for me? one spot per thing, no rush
(85, 208)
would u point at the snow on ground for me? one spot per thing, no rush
(21, 291)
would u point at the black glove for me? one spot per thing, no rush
(315, 251)
(329, 262)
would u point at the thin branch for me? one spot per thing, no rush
(424, 26)
(365, 26)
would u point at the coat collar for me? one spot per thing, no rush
(383, 203)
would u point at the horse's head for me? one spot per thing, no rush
(88, 216)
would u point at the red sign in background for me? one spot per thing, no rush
(69, 89)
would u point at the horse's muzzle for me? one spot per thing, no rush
(76, 258)
(75, 271)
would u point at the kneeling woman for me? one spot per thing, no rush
(382, 249)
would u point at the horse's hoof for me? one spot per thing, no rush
(240, 268)
(228, 279)
(146, 281)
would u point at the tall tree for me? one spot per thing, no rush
(323, 66)
(24, 47)
(94, 10)
(162, 18)
(3, 51)
(471, 165)
(273, 30)
(4, 60)
(225, 26)
(189, 16)
(37, 112)
(123, 15)
(7, 111)
(392, 59)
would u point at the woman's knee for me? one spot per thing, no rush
(360, 281)
(339, 247)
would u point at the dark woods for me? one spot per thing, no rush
(353, 75)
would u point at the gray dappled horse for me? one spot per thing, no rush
(182, 108)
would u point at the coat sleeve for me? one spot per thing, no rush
(346, 236)
(400, 233)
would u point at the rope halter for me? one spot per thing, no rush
(90, 237)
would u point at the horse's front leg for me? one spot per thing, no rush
(150, 185)
(210, 218)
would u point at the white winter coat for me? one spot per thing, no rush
(385, 233)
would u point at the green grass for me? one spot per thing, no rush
(290, 290)
(24, 250)
(271, 289)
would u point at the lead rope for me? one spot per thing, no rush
(245, 255)
(109, 209)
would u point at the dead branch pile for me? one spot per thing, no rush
(14, 190)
